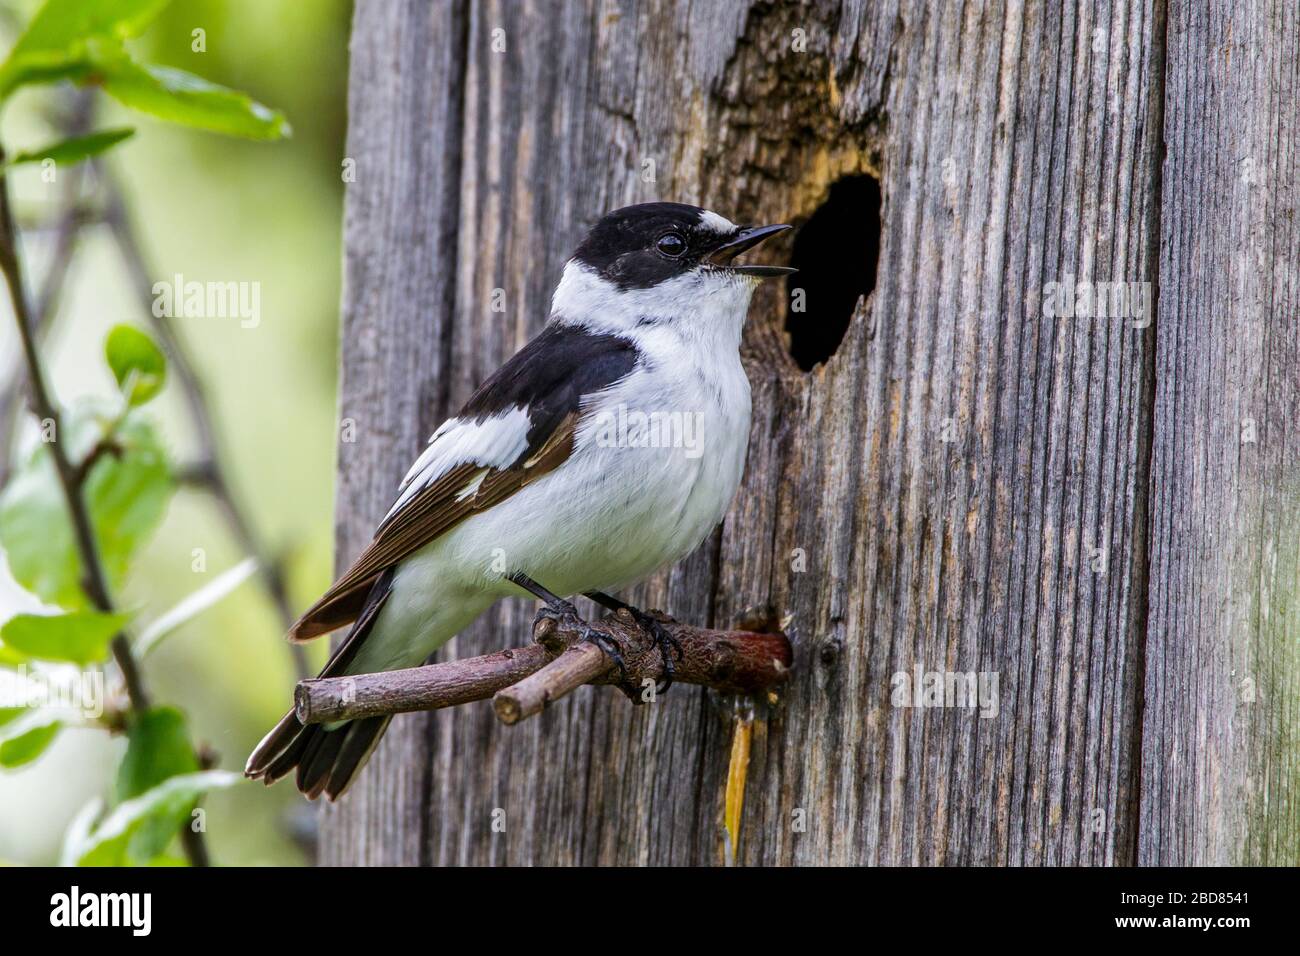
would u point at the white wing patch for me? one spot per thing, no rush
(471, 487)
(496, 442)
(715, 223)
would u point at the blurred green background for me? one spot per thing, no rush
(211, 208)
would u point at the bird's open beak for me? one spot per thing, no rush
(747, 238)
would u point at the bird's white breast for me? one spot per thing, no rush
(658, 457)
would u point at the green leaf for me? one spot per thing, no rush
(74, 150)
(9, 713)
(194, 604)
(36, 535)
(137, 363)
(180, 97)
(82, 41)
(158, 747)
(24, 739)
(126, 495)
(78, 637)
(64, 37)
(112, 842)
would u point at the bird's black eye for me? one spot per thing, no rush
(671, 245)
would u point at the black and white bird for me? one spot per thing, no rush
(605, 449)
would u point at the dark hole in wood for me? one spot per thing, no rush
(835, 252)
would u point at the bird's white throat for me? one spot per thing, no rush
(704, 308)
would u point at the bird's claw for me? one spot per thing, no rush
(566, 617)
(563, 613)
(610, 647)
(667, 645)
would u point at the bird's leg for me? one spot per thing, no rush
(652, 626)
(563, 613)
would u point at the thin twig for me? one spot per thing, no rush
(105, 446)
(416, 688)
(523, 681)
(94, 579)
(577, 665)
(208, 472)
(67, 227)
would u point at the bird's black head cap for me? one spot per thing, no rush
(637, 247)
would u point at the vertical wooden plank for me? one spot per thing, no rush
(401, 213)
(1016, 154)
(1221, 760)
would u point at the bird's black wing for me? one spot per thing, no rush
(518, 426)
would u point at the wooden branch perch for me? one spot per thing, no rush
(523, 681)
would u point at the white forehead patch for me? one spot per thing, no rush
(714, 222)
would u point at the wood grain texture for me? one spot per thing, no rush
(398, 293)
(1221, 756)
(965, 486)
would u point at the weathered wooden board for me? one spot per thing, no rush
(398, 295)
(963, 487)
(1221, 734)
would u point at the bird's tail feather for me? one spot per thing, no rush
(327, 759)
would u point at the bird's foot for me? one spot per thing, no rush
(668, 645)
(608, 645)
(566, 616)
